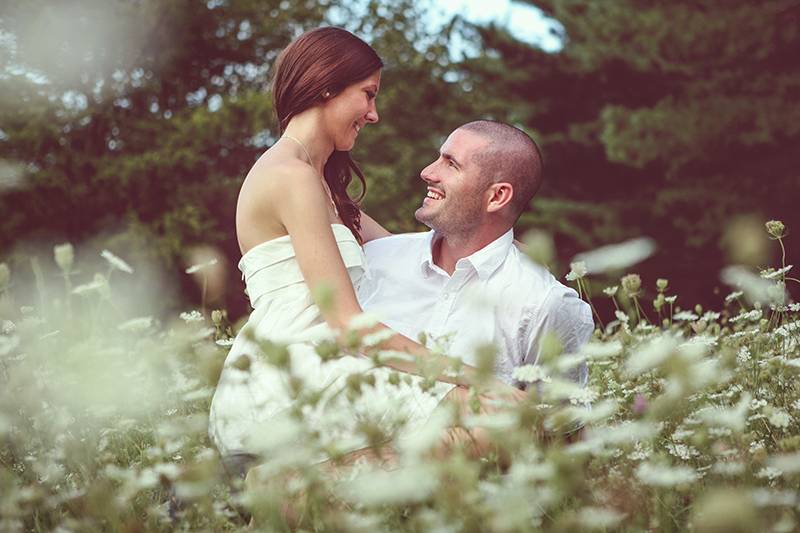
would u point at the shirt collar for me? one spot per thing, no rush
(485, 261)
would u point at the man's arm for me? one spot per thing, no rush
(371, 230)
(569, 319)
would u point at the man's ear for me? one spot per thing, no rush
(500, 194)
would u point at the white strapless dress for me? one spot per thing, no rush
(248, 400)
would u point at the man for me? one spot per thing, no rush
(464, 284)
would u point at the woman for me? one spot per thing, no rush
(299, 230)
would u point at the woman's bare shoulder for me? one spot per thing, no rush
(274, 174)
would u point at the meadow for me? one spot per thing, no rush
(691, 420)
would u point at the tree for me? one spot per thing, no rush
(670, 118)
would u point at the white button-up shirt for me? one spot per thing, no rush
(495, 296)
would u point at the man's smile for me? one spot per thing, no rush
(434, 194)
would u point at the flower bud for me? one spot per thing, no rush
(775, 228)
(216, 317)
(64, 256)
(661, 284)
(5, 276)
(631, 284)
(659, 301)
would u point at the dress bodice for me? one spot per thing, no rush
(277, 290)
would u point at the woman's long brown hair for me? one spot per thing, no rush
(325, 60)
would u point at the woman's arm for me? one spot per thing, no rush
(371, 230)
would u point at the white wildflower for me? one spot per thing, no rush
(530, 374)
(755, 288)
(756, 445)
(224, 342)
(96, 285)
(775, 274)
(64, 256)
(651, 355)
(685, 315)
(779, 418)
(794, 308)
(732, 296)
(640, 452)
(763, 497)
(415, 441)
(378, 337)
(617, 256)
(753, 316)
(582, 396)
(577, 271)
(201, 266)
(796, 405)
(116, 262)
(192, 316)
(757, 404)
(788, 463)
(788, 328)
(682, 451)
(363, 320)
(769, 473)
(599, 518)
(719, 433)
(710, 316)
(627, 431)
(670, 299)
(137, 324)
(409, 484)
(729, 468)
(611, 291)
(743, 356)
(682, 434)
(657, 475)
(8, 344)
(622, 317)
(733, 418)
(601, 350)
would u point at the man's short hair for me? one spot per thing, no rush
(511, 156)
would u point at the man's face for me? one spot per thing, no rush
(454, 204)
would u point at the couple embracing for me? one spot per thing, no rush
(465, 280)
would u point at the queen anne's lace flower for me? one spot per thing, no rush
(577, 270)
(732, 296)
(531, 374)
(665, 476)
(611, 291)
(192, 316)
(779, 419)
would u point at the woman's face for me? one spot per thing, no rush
(350, 110)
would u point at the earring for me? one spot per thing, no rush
(326, 94)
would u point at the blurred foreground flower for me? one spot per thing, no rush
(116, 262)
(64, 256)
(617, 256)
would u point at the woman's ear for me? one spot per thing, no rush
(500, 194)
